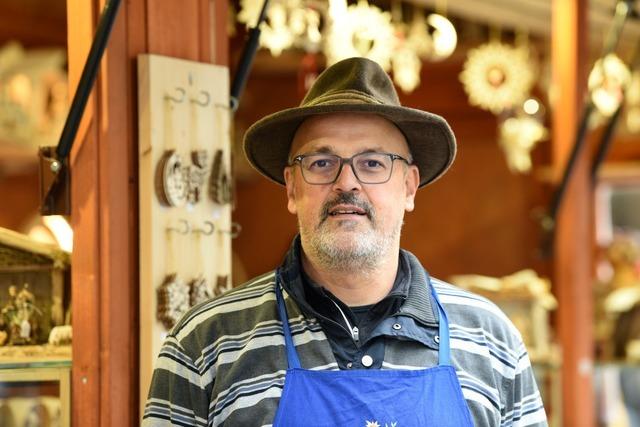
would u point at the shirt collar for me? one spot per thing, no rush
(415, 289)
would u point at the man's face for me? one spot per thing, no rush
(349, 224)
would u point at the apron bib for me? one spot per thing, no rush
(371, 398)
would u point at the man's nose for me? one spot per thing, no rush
(346, 180)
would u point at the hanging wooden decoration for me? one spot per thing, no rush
(289, 23)
(173, 300)
(497, 77)
(518, 136)
(171, 180)
(199, 291)
(405, 59)
(607, 82)
(221, 284)
(220, 189)
(359, 30)
(197, 175)
(406, 69)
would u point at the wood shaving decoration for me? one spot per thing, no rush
(497, 76)
(199, 291)
(197, 175)
(359, 30)
(608, 81)
(221, 285)
(220, 184)
(171, 180)
(173, 300)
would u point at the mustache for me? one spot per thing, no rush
(346, 199)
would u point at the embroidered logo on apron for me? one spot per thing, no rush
(377, 424)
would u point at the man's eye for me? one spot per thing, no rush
(320, 163)
(371, 164)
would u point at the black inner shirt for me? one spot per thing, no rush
(328, 309)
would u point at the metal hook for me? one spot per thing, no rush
(207, 230)
(181, 97)
(207, 99)
(185, 230)
(221, 105)
(235, 230)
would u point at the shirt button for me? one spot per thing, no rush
(349, 365)
(436, 338)
(367, 361)
(397, 326)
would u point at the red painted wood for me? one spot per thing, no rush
(573, 246)
(105, 197)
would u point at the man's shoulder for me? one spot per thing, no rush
(468, 310)
(224, 310)
(449, 293)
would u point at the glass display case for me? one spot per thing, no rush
(35, 392)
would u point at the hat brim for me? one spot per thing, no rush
(430, 139)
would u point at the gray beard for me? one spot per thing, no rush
(362, 253)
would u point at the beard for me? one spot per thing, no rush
(349, 245)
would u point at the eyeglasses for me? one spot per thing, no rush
(369, 168)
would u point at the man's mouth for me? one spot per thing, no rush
(347, 206)
(347, 211)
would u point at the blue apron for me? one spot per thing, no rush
(371, 398)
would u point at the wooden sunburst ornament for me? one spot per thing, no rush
(497, 76)
(359, 30)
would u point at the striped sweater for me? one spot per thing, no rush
(224, 363)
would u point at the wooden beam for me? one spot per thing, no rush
(573, 244)
(104, 206)
(85, 259)
(104, 166)
(117, 186)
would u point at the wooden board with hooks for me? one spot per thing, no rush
(185, 234)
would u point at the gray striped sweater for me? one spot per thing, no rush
(224, 363)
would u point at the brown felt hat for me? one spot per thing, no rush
(354, 85)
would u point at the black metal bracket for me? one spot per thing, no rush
(246, 60)
(55, 176)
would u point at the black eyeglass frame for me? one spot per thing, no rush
(349, 161)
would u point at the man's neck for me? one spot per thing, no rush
(355, 287)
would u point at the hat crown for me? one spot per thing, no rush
(353, 80)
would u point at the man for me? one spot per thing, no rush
(369, 339)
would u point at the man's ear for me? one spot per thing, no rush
(289, 182)
(411, 183)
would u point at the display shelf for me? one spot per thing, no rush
(35, 385)
(33, 356)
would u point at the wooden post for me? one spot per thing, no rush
(573, 245)
(105, 191)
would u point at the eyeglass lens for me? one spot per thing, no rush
(369, 168)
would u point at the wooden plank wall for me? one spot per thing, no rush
(104, 192)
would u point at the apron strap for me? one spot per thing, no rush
(292, 356)
(444, 352)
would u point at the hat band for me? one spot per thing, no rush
(344, 97)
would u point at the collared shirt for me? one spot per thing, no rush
(224, 363)
(353, 336)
